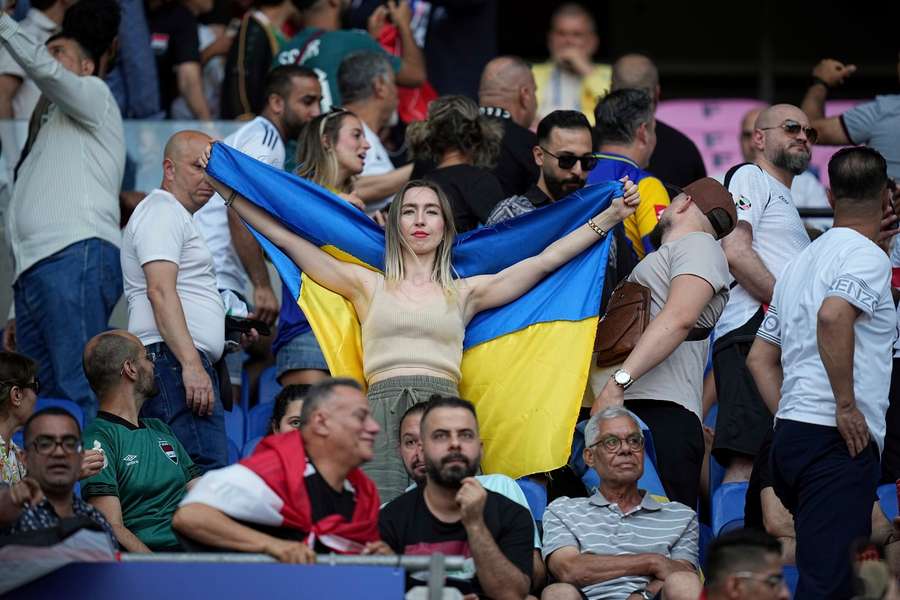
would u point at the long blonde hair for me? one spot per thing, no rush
(454, 123)
(442, 271)
(317, 160)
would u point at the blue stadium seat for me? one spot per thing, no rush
(68, 405)
(887, 498)
(536, 494)
(234, 454)
(716, 471)
(728, 507)
(791, 575)
(258, 420)
(268, 386)
(245, 389)
(43, 403)
(234, 425)
(250, 446)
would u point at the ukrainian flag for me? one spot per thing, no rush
(525, 365)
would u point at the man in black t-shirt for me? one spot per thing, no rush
(453, 514)
(508, 94)
(176, 45)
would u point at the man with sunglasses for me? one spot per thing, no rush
(564, 156)
(621, 542)
(745, 565)
(769, 233)
(53, 455)
(146, 471)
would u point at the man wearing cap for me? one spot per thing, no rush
(661, 380)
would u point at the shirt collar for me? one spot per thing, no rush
(41, 20)
(108, 416)
(647, 501)
(496, 112)
(537, 197)
(619, 157)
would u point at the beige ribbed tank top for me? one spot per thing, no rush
(426, 337)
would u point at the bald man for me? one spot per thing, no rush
(769, 234)
(806, 189)
(146, 471)
(507, 93)
(676, 158)
(174, 306)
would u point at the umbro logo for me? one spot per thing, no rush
(131, 459)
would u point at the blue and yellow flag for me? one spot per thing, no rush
(525, 365)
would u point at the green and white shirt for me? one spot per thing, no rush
(146, 468)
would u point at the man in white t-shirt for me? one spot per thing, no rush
(661, 380)
(822, 356)
(366, 82)
(174, 306)
(769, 233)
(293, 95)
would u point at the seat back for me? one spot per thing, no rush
(235, 426)
(268, 386)
(250, 446)
(728, 507)
(536, 494)
(258, 420)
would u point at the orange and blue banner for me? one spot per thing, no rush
(525, 365)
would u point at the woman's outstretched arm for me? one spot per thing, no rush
(347, 279)
(489, 291)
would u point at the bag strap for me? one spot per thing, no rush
(698, 334)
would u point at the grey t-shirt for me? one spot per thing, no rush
(877, 125)
(679, 378)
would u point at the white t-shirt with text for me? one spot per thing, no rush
(778, 235)
(841, 264)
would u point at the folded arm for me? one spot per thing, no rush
(111, 508)
(569, 565)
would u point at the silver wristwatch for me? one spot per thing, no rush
(622, 378)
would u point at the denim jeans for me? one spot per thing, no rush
(202, 437)
(61, 303)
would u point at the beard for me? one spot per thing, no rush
(450, 476)
(659, 231)
(793, 163)
(560, 188)
(146, 385)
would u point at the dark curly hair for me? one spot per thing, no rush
(454, 123)
(94, 24)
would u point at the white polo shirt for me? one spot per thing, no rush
(778, 235)
(842, 264)
(162, 229)
(260, 139)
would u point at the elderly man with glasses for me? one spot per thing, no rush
(621, 542)
(53, 455)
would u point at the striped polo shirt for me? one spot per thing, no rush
(596, 526)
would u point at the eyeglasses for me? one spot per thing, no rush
(45, 445)
(774, 580)
(34, 385)
(567, 161)
(612, 443)
(793, 129)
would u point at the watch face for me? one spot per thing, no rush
(622, 377)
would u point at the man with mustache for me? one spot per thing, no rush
(53, 455)
(620, 543)
(768, 235)
(452, 513)
(174, 306)
(146, 470)
(563, 155)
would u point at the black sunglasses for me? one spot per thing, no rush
(793, 129)
(567, 161)
(34, 385)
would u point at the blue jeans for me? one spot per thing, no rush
(61, 303)
(202, 437)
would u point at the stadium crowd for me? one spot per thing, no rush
(733, 333)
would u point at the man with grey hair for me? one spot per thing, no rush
(272, 503)
(676, 158)
(508, 93)
(367, 85)
(620, 543)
